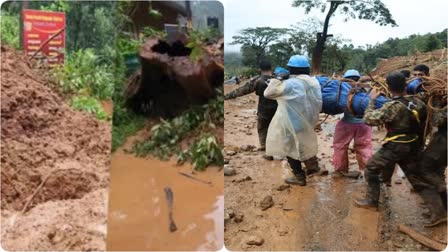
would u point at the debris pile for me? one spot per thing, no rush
(54, 165)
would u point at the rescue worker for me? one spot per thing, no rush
(434, 158)
(404, 117)
(420, 70)
(349, 128)
(406, 73)
(266, 108)
(291, 132)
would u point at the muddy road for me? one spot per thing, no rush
(138, 210)
(319, 216)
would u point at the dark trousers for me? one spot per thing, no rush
(435, 155)
(262, 127)
(406, 156)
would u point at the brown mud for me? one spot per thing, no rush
(435, 60)
(138, 210)
(54, 165)
(319, 216)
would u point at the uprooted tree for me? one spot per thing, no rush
(373, 10)
(255, 42)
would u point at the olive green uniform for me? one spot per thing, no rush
(266, 107)
(435, 155)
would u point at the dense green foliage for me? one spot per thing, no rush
(255, 41)
(166, 136)
(373, 10)
(10, 29)
(90, 105)
(82, 72)
(339, 54)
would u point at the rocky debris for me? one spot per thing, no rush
(247, 147)
(266, 203)
(231, 153)
(282, 231)
(229, 170)
(283, 187)
(247, 178)
(239, 217)
(226, 161)
(287, 207)
(255, 240)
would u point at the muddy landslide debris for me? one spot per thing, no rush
(229, 171)
(255, 240)
(266, 203)
(45, 142)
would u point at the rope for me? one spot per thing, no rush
(319, 124)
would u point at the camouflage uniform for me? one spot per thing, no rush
(266, 107)
(404, 149)
(435, 155)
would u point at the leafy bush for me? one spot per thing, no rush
(166, 136)
(89, 105)
(10, 29)
(82, 74)
(203, 152)
(127, 45)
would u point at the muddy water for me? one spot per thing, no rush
(138, 211)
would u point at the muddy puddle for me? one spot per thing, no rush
(138, 210)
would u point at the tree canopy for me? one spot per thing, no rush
(373, 10)
(255, 41)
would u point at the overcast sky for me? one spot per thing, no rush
(412, 17)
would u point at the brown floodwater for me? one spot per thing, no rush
(138, 210)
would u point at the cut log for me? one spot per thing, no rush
(421, 238)
(169, 81)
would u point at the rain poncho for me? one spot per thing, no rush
(291, 131)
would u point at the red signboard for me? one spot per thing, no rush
(38, 27)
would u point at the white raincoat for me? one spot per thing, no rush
(291, 131)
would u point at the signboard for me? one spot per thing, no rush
(38, 27)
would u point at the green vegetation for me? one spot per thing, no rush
(89, 105)
(339, 54)
(88, 73)
(83, 73)
(10, 29)
(166, 137)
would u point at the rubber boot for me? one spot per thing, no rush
(312, 165)
(269, 158)
(297, 179)
(371, 199)
(435, 204)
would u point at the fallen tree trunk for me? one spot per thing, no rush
(421, 238)
(169, 81)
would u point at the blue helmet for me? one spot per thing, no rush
(351, 73)
(298, 61)
(278, 70)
